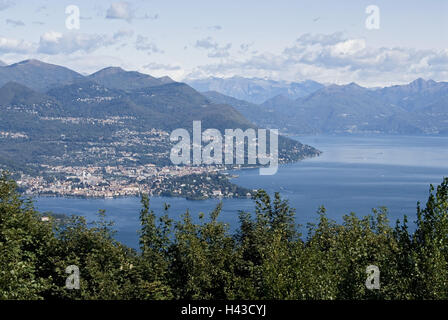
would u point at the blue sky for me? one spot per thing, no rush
(326, 41)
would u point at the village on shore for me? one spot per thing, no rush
(195, 182)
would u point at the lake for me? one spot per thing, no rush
(354, 173)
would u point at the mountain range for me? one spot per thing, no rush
(420, 107)
(41, 76)
(47, 111)
(255, 90)
(51, 115)
(159, 103)
(37, 75)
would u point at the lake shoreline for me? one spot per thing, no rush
(353, 173)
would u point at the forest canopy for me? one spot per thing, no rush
(266, 258)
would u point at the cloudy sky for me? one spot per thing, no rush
(325, 40)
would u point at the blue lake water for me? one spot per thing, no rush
(354, 173)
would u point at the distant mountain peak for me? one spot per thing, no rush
(33, 62)
(109, 70)
(166, 79)
(37, 75)
(422, 82)
(255, 90)
(419, 80)
(118, 78)
(349, 86)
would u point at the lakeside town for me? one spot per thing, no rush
(128, 163)
(194, 182)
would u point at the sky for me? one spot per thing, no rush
(373, 43)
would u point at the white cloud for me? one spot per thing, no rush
(220, 52)
(245, 47)
(348, 47)
(15, 46)
(161, 66)
(122, 34)
(332, 58)
(174, 71)
(144, 44)
(123, 10)
(55, 42)
(215, 50)
(321, 39)
(206, 43)
(120, 10)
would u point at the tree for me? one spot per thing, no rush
(25, 246)
(266, 259)
(430, 245)
(154, 244)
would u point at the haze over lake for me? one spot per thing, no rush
(355, 173)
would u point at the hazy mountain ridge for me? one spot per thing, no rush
(255, 90)
(62, 125)
(111, 91)
(420, 107)
(117, 78)
(37, 75)
(41, 76)
(258, 114)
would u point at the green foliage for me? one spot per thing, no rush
(430, 244)
(267, 258)
(25, 243)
